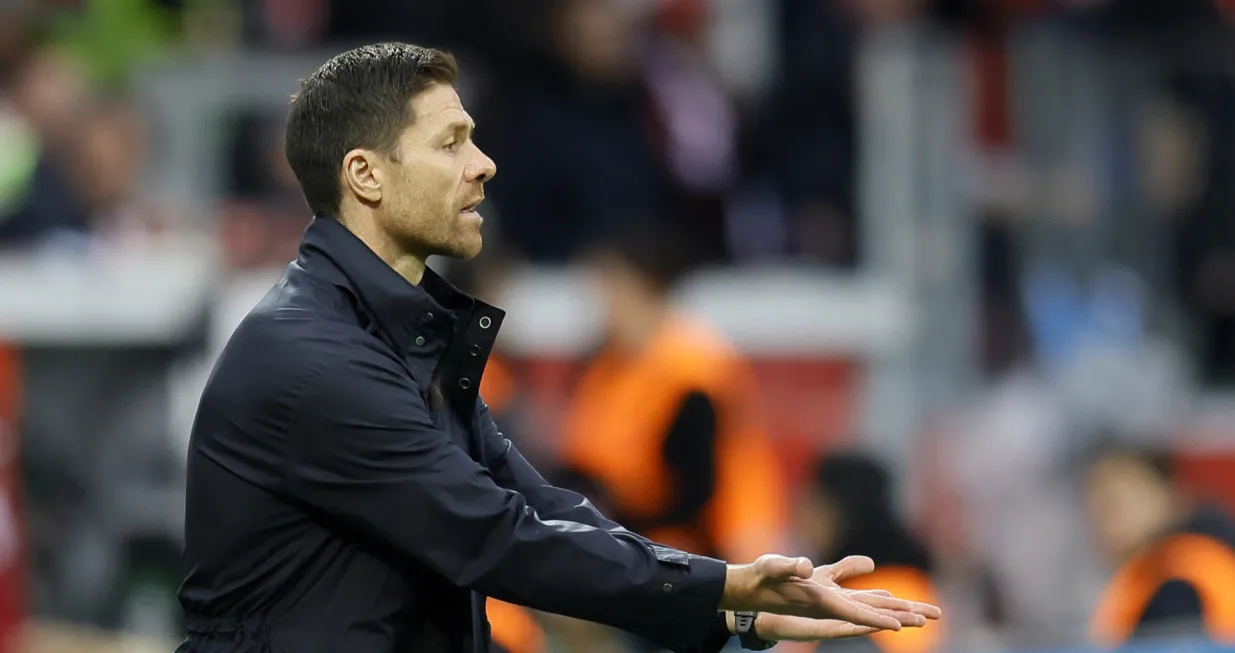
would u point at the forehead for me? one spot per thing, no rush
(436, 107)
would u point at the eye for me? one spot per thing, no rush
(452, 146)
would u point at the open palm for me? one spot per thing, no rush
(786, 628)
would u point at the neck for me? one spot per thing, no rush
(409, 266)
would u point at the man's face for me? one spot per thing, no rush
(436, 179)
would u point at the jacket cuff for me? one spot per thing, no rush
(720, 636)
(696, 603)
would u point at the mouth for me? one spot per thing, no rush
(471, 207)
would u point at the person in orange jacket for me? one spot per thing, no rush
(664, 418)
(1174, 557)
(663, 428)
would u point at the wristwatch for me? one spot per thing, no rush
(745, 625)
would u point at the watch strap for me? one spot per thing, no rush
(744, 623)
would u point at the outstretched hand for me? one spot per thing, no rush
(799, 602)
(908, 614)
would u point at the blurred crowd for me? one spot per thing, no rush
(736, 123)
(644, 139)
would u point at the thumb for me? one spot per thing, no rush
(851, 566)
(782, 568)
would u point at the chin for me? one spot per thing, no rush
(463, 250)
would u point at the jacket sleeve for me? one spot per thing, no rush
(512, 471)
(364, 450)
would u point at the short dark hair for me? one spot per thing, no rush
(360, 98)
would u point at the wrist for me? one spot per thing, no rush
(739, 579)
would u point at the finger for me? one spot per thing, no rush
(872, 592)
(907, 619)
(891, 603)
(888, 602)
(843, 607)
(799, 629)
(783, 568)
(932, 612)
(829, 629)
(845, 630)
(850, 566)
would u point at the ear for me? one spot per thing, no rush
(362, 175)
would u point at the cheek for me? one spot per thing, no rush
(422, 180)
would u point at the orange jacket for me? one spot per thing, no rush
(1204, 562)
(514, 628)
(616, 426)
(497, 385)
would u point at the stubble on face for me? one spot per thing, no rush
(433, 178)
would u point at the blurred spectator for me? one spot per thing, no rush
(1175, 560)
(111, 154)
(661, 421)
(578, 158)
(806, 138)
(75, 170)
(1002, 455)
(848, 510)
(46, 92)
(695, 121)
(663, 416)
(265, 216)
(50, 90)
(16, 34)
(1205, 238)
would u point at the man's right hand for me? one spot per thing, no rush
(781, 585)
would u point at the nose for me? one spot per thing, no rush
(482, 168)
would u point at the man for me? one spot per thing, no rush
(347, 490)
(1175, 559)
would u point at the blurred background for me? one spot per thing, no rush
(950, 283)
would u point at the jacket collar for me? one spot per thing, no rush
(435, 309)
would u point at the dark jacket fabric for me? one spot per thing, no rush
(348, 491)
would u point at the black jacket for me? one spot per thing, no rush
(349, 493)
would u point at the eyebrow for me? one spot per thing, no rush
(458, 126)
